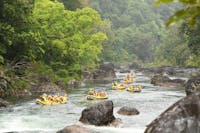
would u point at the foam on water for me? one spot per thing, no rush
(29, 117)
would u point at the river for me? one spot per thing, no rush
(25, 116)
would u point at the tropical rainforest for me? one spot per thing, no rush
(60, 39)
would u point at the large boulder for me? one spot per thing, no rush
(98, 114)
(105, 71)
(125, 71)
(75, 84)
(181, 117)
(162, 80)
(126, 110)
(87, 75)
(159, 79)
(192, 85)
(47, 88)
(179, 71)
(169, 70)
(3, 103)
(61, 84)
(105, 74)
(134, 65)
(75, 129)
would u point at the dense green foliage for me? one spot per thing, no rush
(174, 50)
(16, 38)
(189, 12)
(72, 39)
(42, 38)
(137, 27)
(182, 48)
(71, 4)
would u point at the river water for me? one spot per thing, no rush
(26, 116)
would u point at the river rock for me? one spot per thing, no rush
(75, 129)
(105, 74)
(134, 65)
(105, 71)
(125, 71)
(116, 123)
(75, 84)
(166, 69)
(162, 80)
(193, 85)
(3, 103)
(181, 117)
(178, 71)
(47, 88)
(126, 110)
(98, 114)
(61, 84)
(87, 75)
(22, 92)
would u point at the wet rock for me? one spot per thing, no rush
(169, 70)
(181, 117)
(159, 79)
(193, 85)
(3, 103)
(126, 110)
(98, 114)
(75, 84)
(75, 129)
(162, 80)
(61, 84)
(105, 71)
(166, 69)
(47, 88)
(134, 65)
(105, 74)
(179, 71)
(116, 123)
(125, 71)
(87, 75)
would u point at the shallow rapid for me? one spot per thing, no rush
(26, 116)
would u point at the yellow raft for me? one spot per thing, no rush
(128, 80)
(92, 97)
(92, 94)
(131, 75)
(119, 87)
(134, 88)
(63, 100)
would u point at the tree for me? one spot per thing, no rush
(174, 49)
(136, 25)
(73, 40)
(189, 12)
(17, 41)
(71, 4)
